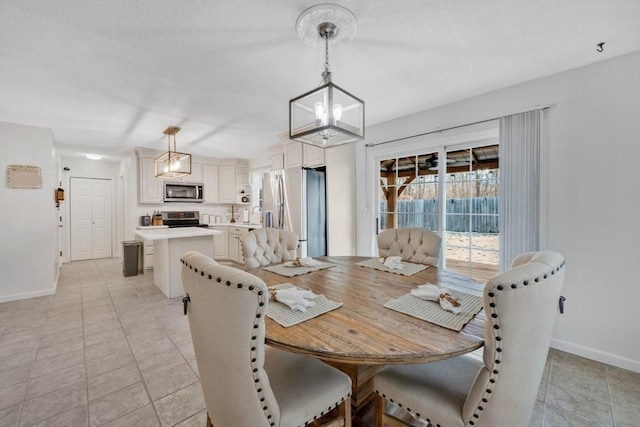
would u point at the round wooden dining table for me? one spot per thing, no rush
(362, 336)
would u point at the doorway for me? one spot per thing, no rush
(452, 190)
(470, 234)
(90, 216)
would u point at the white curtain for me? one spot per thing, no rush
(519, 191)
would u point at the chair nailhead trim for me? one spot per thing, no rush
(496, 327)
(417, 414)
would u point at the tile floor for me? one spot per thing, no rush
(113, 351)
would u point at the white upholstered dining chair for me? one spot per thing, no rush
(264, 246)
(244, 382)
(520, 305)
(412, 244)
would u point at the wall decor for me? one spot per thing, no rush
(21, 176)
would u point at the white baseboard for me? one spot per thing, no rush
(27, 295)
(597, 355)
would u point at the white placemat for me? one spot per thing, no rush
(286, 269)
(286, 317)
(408, 270)
(433, 313)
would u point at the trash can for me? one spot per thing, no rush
(130, 251)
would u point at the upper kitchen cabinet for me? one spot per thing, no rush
(196, 176)
(298, 154)
(149, 187)
(293, 155)
(222, 184)
(243, 189)
(210, 181)
(226, 184)
(277, 162)
(312, 155)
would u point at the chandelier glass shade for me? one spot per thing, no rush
(172, 164)
(327, 115)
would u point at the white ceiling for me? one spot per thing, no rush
(111, 75)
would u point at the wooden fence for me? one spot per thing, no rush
(481, 214)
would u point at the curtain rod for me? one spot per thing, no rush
(541, 107)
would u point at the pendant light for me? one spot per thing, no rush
(328, 115)
(172, 164)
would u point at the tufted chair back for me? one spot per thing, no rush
(521, 306)
(264, 246)
(226, 317)
(412, 244)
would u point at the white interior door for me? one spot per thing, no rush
(80, 216)
(101, 218)
(90, 215)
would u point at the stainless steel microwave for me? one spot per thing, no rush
(183, 192)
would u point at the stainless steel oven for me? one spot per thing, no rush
(183, 192)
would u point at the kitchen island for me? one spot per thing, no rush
(169, 245)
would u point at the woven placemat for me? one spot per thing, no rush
(286, 317)
(433, 313)
(283, 270)
(409, 267)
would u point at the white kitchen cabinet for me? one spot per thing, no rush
(243, 189)
(293, 155)
(235, 247)
(277, 162)
(312, 155)
(149, 187)
(221, 243)
(148, 254)
(194, 177)
(210, 181)
(226, 184)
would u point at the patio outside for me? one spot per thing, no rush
(410, 193)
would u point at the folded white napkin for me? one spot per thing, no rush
(431, 292)
(309, 262)
(294, 298)
(392, 262)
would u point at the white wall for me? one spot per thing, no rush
(592, 184)
(341, 223)
(29, 233)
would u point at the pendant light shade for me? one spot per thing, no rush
(327, 115)
(172, 164)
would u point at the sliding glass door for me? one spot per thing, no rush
(456, 197)
(471, 212)
(409, 192)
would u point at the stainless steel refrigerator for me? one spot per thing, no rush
(295, 199)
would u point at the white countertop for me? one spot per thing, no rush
(150, 227)
(176, 233)
(237, 224)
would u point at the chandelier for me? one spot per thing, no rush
(172, 164)
(327, 115)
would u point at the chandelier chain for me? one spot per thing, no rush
(326, 53)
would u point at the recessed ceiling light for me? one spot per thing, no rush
(94, 156)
